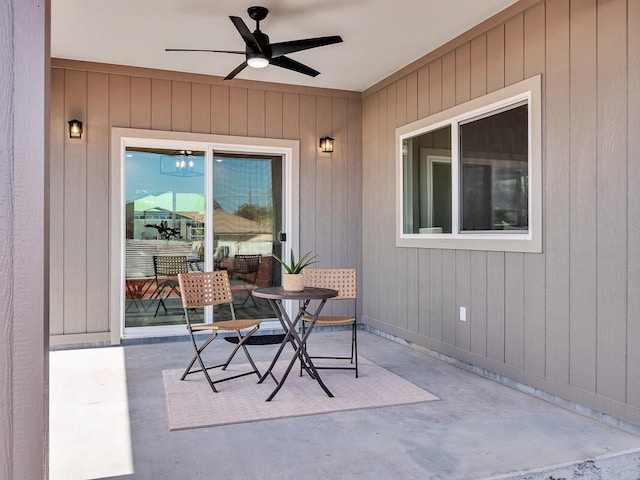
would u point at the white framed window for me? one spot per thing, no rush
(470, 177)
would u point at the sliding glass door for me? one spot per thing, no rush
(193, 209)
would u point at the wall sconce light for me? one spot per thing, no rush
(326, 144)
(75, 128)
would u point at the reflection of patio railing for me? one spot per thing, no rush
(139, 270)
(139, 255)
(141, 285)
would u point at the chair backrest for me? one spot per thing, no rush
(344, 280)
(246, 263)
(201, 289)
(170, 265)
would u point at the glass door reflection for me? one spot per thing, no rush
(247, 217)
(164, 231)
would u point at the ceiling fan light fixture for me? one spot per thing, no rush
(257, 62)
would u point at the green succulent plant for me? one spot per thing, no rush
(294, 266)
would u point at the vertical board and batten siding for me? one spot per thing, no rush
(633, 212)
(534, 265)
(370, 219)
(105, 96)
(74, 225)
(564, 321)
(200, 108)
(323, 173)
(97, 170)
(339, 184)
(354, 172)
(583, 184)
(556, 162)
(393, 266)
(57, 138)
(611, 204)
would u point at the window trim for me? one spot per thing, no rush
(528, 90)
(430, 159)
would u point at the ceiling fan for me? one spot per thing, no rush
(259, 52)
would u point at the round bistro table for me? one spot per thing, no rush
(275, 296)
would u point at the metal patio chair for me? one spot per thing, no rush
(344, 280)
(202, 289)
(166, 269)
(244, 273)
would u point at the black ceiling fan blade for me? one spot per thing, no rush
(246, 34)
(237, 70)
(286, 62)
(203, 50)
(283, 48)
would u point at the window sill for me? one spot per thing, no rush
(512, 242)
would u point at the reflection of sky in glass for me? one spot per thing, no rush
(143, 176)
(236, 180)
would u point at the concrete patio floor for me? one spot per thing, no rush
(479, 429)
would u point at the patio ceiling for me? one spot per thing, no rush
(380, 36)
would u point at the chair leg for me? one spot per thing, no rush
(241, 343)
(354, 346)
(246, 299)
(196, 356)
(246, 352)
(161, 302)
(354, 352)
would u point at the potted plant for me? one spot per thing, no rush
(293, 280)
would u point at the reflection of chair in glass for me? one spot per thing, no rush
(196, 259)
(166, 269)
(201, 289)
(245, 270)
(220, 255)
(344, 280)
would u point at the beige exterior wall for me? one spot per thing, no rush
(105, 96)
(564, 321)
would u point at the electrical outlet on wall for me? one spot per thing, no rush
(463, 314)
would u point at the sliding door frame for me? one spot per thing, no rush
(121, 138)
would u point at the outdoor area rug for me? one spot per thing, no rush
(192, 404)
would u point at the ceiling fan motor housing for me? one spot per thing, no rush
(257, 13)
(263, 42)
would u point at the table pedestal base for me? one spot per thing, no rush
(292, 336)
